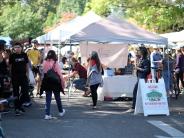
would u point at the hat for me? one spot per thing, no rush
(168, 51)
(34, 41)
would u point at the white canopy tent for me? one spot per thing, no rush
(176, 37)
(42, 39)
(65, 30)
(116, 30)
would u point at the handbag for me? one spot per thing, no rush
(31, 77)
(52, 77)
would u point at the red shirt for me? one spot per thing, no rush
(82, 72)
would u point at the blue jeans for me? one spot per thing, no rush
(168, 80)
(80, 84)
(48, 101)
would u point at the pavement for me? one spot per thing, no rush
(109, 120)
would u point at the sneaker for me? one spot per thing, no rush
(17, 112)
(27, 104)
(39, 95)
(131, 110)
(94, 107)
(21, 110)
(62, 114)
(48, 117)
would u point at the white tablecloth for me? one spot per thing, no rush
(117, 86)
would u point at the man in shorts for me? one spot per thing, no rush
(34, 56)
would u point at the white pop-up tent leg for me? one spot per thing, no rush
(70, 82)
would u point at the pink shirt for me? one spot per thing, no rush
(48, 64)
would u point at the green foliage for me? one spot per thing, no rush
(51, 19)
(73, 6)
(157, 15)
(20, 22)
(102, 7)
(27, 18)
(43, 7)
(160, 16)
(65, 6)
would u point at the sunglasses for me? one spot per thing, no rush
(17, 46)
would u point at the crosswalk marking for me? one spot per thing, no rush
(167, 128)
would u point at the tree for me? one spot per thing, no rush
(6, 2)
(27, 17)
(43, 7)
(102, 7)
(20, 22)
(65, 7)
(73, 6)
(157, 15)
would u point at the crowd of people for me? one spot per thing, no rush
(154, 65)
(15, 64)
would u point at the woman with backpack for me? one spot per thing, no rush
(49, 64)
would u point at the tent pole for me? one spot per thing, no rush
(168, 71)
(59, 48)
(163, 51)
(70, 82)
(44, 49)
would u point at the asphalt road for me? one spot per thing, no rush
(110, 120)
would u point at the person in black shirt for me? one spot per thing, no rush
(19, 73)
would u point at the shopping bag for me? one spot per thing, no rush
(31, 77)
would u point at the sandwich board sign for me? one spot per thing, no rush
(151, 98)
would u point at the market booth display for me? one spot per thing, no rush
(117, 86)
(117, 34)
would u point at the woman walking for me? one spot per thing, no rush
(94, 76)
(51, 63)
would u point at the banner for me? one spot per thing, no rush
(111, 55)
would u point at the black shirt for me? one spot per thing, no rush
(18, 62)
(144, 64)
(3, 68)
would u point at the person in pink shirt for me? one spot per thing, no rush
(51, 62)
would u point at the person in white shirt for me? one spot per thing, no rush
(156, 60)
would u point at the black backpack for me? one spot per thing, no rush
(52, 77)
